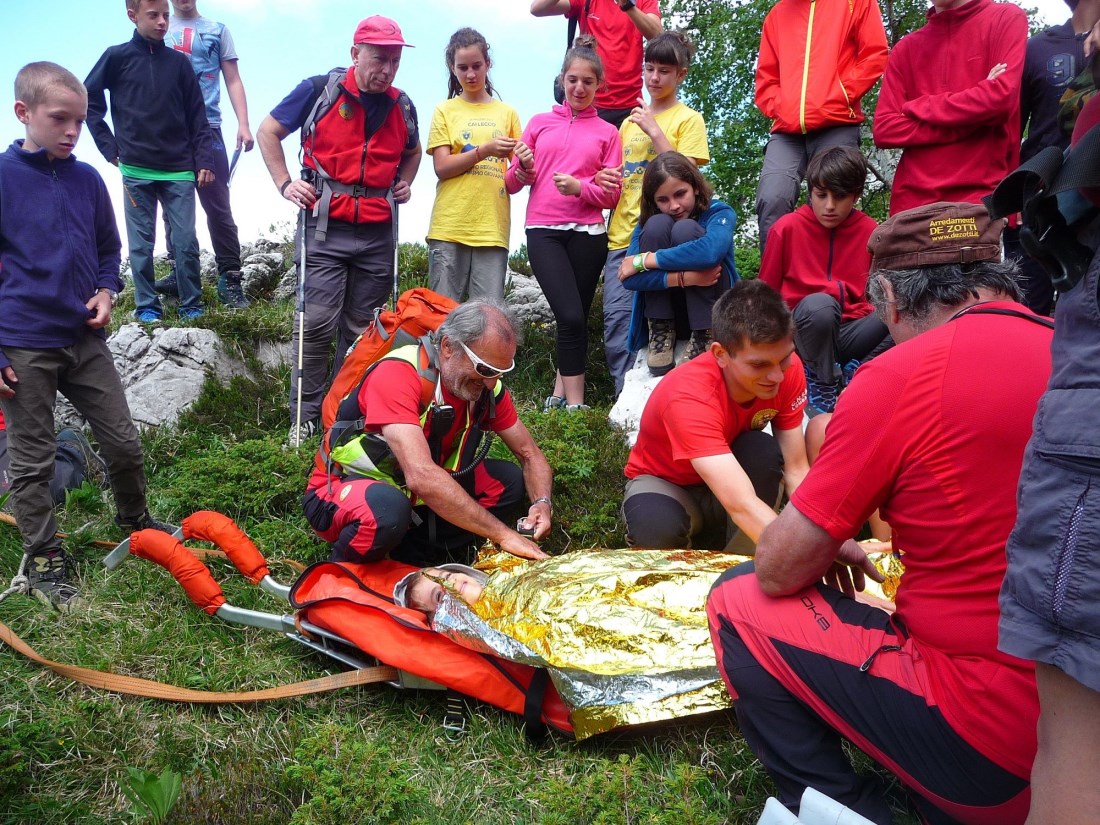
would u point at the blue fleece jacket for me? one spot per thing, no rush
(58, 244)
(157, 109)
(715, 247)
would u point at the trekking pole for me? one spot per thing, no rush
(396, 250)
(299, 368)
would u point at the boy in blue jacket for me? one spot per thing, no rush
(162, 145)
(59, 263)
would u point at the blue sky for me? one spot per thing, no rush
(282, 41)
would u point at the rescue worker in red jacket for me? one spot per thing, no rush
(818, 58)
(361, 150)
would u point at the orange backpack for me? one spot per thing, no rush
(419, 311)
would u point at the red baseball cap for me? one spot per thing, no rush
(379, 31)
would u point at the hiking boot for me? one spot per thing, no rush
(662, 347)
(168, 285)
(148, 315)
(48, 579)
(230, 292)
(849, 370)
(698, 343)
(300, 432)
(553, 402)
(820, 395)
(143, 522)
(93, 465)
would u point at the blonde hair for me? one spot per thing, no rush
(35, 80)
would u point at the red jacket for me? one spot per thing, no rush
(339, 143)
(803, 258)
(960, 131)
(817, 59)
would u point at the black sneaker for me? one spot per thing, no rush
(821, 396)
(168, 285)
(48, 577)
(230, 292)
(143, 522)
(95, 468)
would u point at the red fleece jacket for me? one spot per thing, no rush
(803, 258)
(960, 131)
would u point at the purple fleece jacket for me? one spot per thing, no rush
(58, 245)
(578, 144)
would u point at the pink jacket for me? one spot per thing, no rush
(579, 145)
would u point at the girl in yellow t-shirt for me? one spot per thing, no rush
(471, 140)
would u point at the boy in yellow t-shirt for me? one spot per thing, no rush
(664, 125)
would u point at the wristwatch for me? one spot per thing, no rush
(627, 6)
(111, 293)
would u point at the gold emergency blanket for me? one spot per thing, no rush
(623, 633)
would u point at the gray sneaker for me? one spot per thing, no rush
(299, 433)
(662, 347)
(230, 291)
(48, 577)
(95, 468)
(143, 522)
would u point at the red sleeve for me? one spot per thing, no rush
(861, 457)
(990, 101)
(871, 51)
(649, 7)
(771, 265)
(694, 429)
(892, 128)
(506, 413)
(767, 74)
(390, 395)
(792, 397)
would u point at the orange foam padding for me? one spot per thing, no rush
(206, 525)
(169, 553)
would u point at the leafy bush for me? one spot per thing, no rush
(518, 261)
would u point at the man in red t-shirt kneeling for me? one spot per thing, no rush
(933, 435)
(702, 460)
(402, 472)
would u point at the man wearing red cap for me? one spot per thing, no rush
(932, 433)
(361, 151)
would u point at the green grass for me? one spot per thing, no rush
(366, 755)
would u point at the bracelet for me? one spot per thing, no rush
(680, 278)
(544, 500)
(286, 183)
(639, 262)
(477, 154)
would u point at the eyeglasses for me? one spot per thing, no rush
(484, 368)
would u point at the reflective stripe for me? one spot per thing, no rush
(806, 68)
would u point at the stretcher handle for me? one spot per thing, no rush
(206, 525)
(192, 574)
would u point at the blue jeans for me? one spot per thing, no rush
(177, 198)
(214, 200)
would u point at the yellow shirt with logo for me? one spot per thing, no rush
(686, 132)
(472, 208)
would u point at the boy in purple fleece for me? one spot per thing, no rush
(57, 297)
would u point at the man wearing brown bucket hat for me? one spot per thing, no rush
(360, 153)
(933, 434)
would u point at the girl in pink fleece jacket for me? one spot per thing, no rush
(573, 171)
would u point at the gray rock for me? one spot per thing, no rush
(637, 387)
(524, 295)
(162, 374)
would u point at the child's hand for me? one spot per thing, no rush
(702, 277)
(567, 184)
(525, 155)
(99, 310)
(498, 147)
(205, 177)
(999, 69)
(642, 116)
(7, 382)
(610, 180)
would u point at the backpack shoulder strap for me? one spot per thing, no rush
(326, 88)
